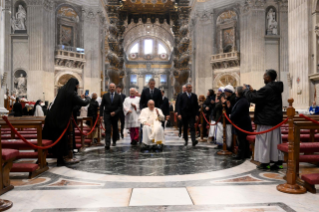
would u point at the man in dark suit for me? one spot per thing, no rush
(180, 124)
(111, 107)
(188, 113)
(151, 93)
(165, 108)
(122, 117)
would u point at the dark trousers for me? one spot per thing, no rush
(109, 122)
(243, 146)
(122, 119)
(188, 122)
(180, 125)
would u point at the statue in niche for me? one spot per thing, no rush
(20, 85)
(271, 23)
(18, 21)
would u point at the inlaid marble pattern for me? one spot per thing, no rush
(174, 160)
(266, 207)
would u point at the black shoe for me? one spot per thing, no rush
(145, 147)
(263, 166)
(134, 143)
(107, 147)
(61, 162)
(218, 147)
(186, 143)
(159, 148)
(114, 144)
(195, 143)
(276, 167)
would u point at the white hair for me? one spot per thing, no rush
(112, 84)
(134, 89)
(150, 101)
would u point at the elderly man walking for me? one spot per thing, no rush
(131, 109)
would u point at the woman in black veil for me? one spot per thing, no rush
(59, 115)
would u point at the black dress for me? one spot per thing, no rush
(59, 115)
(240, 117)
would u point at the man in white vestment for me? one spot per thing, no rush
(153, 132)
(131, 109)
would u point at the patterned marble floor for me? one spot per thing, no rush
(179, 179)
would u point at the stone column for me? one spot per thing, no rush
(48, 49)
(300, 49)
(35, 30)
(92, 46)
(205, 42)
(2, 53)
(253, 43)
(284, 49)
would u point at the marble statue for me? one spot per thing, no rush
(20, 85)
(271, 23)
(18, 21)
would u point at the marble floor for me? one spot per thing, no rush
(178, 179)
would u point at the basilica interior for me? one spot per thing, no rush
(204, 43)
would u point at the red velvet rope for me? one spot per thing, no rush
(309, 119)
(208, 121)
(255, 133)
(30, 144)
(82, 133)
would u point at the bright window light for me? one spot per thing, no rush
(134, 49)
(148, 46)
(161, 49)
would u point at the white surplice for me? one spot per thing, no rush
(153, 133)
(131, 119)
(38, 111)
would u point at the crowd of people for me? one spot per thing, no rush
(144, 116)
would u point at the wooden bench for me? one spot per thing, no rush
(33, 169)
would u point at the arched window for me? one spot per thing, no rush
(134, 49)
(148, 46)
(161, 49)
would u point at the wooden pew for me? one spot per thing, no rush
(33, 169)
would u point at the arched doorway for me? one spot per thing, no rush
(63, 79)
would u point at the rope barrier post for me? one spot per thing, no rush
(82, 136)
(291, 186)
(224, 151)
(71, 159)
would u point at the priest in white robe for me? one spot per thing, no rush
(131, 109)
(153, 133)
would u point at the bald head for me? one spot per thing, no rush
(112, 87)
(132, 92)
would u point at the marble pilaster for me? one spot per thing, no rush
(300, 48)
(2, 53)
(204, 48)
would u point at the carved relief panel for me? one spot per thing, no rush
(67, 25)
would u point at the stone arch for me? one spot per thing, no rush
(224, 79)
(66, 76)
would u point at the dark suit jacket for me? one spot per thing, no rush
(165, 107)
(123, 96)
(177, 102)
(188, 107)
(146, 96)
(108, 107)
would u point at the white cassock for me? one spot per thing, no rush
(38, 111)
(155, 132)
(131, 120)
